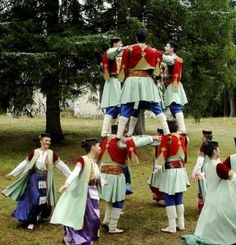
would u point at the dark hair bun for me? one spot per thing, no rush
(88, 143)
(83, 144)
(209, 146)
(44, 135)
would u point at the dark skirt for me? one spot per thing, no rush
(89, 233)
(30, 207)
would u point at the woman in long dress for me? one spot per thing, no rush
(217, 221)
(78, 209)
(35, 189)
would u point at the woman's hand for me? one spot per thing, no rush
(199, 176)
(8, 176)
(64, 188)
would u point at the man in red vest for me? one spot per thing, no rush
(174, 96)
(139, 63)
(111, 60)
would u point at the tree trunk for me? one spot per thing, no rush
(53, 123)
(232, 103)
(226, 104)
(140, 126)
(52, 91)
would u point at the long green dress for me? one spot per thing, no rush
(217, 221)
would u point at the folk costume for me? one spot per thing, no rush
(128, 179)
(217, 221)
(198, 171)
(35, 189)
(174, 96)
(112, 161)
(174, 181)
(139, 63)
(155, 178)
(78, 207)
(111, 60)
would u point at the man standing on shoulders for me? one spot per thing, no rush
(138, 65)
(174, 97)
(111, 93)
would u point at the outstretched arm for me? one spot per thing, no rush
(143, 140)
(168, 59)
(18, 170)
(113, 52)
(140, 140)
(63, 167)
(224, 170)
(198, 166)
(74, 174)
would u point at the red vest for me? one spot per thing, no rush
(116, 154)
(170, 147)
(109, 67)
(173, 73)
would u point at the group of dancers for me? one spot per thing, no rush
(152, 81)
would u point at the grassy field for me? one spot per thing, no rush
(142, 218)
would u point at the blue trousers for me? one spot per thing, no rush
(175, 199)
(119, 204)
(127, 110)
(175, 108)
(113, 111)
(127, 175)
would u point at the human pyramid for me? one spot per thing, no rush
(152, 81)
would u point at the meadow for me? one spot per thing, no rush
(142, 218)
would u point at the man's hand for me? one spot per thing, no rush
(125, 139)
(122, 48)
(156, 137)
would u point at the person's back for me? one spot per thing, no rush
(174, 180)
(139, 92)
(141, 57)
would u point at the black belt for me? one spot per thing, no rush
(92, 182)
(113, 75)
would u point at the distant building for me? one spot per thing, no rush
(80, 107)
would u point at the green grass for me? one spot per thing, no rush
(142, 218)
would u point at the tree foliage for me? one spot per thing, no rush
(207, 46)
(56, 47)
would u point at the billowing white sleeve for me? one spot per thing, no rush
(63, 167)
(74, 174)
(234, 178)
(19, 168)
(142, 140)
(139, 140)
(103, 181)
(168, 59)
(112, 53)
(198, 166)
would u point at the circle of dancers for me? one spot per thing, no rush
(137, 77)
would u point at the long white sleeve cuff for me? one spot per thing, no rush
(234, 178)
(74, 174)
(198, 166)
(103, 181)
(142, 140)
(19, 168)
(168, 59)
(63, 168)
(112, 53)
